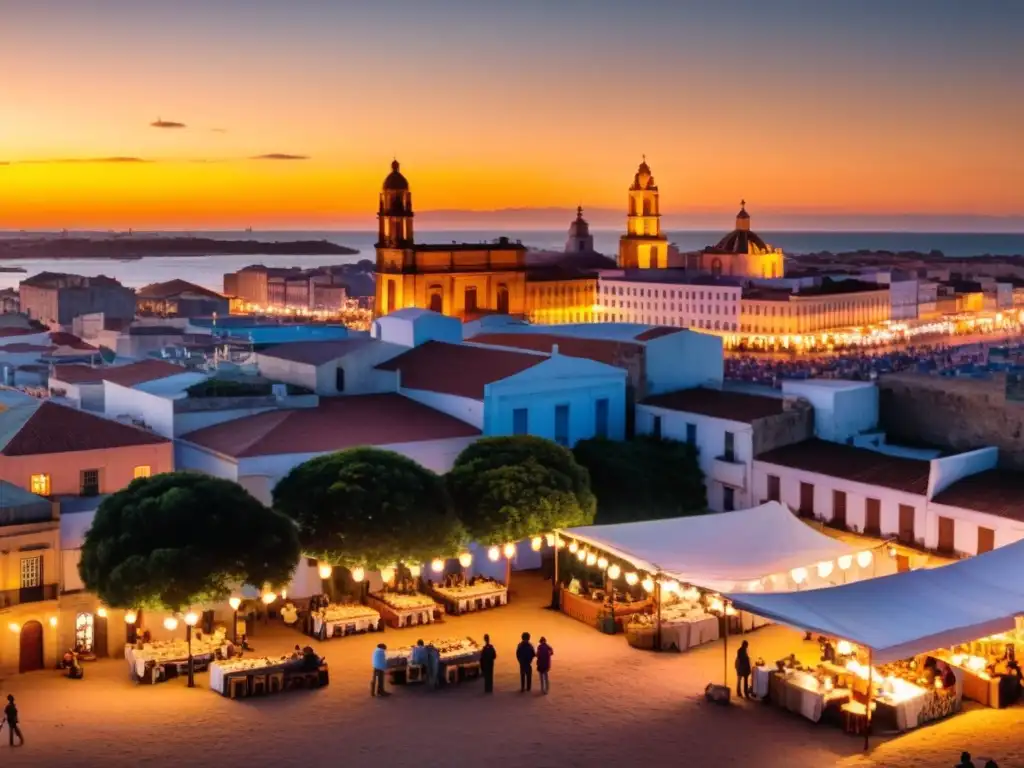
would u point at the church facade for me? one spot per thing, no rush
(644, 246)
(462, 280)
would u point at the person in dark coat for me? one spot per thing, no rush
(525, 655)
(11, 718)
(544, 654)
(743, 671)
(965, 761)
(487, 656)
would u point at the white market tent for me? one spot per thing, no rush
(726, 551)
(905, 614)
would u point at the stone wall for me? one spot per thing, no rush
(954, 413)
(794, 425)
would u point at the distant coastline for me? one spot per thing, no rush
(132, 249)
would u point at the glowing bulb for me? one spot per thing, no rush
(602, 563)
(437, 565)
(715, 605)
(799, 575)
(53, 621)
(844, 648)
(550, 539)
(825, 568)
(465, 559)
(670, 587)
(191, 618)
(325, 570)
(234, 602)
(845, 561)
(129, 618)
(536, 543)
(170, 623)
(493, 554)
(892, 551)
(284, 593)
(632, 578)
(358, 573)
(387, 573)
(415, 570)
(648, 584)
(729, 610)
(591, 558)
(14, 627)
(614, 571)
(509, 550)
(101, 612)
(268, 597)
(581, 555)
(573, 546)
(864, 558)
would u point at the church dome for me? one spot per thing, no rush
(741, 239)
(643, 178)
(579, 226)
(395, 179)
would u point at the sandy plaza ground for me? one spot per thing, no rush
(610, 705)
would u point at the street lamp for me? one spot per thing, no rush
(190, 621)
(234, 602)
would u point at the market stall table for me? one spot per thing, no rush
(237, 678)
(593, 612)
(459, 653)
(471, 597)
(341, 619)
(801, 692)
(155, 662)
(399, 610)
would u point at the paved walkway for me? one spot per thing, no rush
(610, 705)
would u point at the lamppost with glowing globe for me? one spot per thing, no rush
(190, 621)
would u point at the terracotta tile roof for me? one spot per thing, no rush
(62, 339)
(458, 369)
(56, 428)
(5, 332)
(719, 404)
(335, 424)
(657, 332)
(860, 465)
(315, 352)
(126, 375)
(608, 351)
(995, 491)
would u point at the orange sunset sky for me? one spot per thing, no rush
(290, 113)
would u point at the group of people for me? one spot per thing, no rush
(967, 762)
(429, 658)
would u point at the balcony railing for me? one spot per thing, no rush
(11, 597)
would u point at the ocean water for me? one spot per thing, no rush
(208, 271)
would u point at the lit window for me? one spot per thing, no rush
(143, 471)
(41, 485)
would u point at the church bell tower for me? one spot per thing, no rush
(643, 246)
(394, 217)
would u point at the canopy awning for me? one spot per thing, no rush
(905, 614)
(724, 551)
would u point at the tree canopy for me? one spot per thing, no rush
(369, 507)
(182, 538)
(643, 479)
(508, 488)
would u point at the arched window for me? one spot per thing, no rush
(502, 305)
(84, 632)
(436, 299)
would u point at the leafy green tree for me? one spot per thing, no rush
(508, 488)
(181, 538)
(643, 479)
(369, 507)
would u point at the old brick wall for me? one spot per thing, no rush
(957, 414)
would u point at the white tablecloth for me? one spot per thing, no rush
(465, 597)
(762, 677)
(361, 624)
(689, 632)
(414, 616)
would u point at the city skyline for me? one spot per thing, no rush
(253, 114)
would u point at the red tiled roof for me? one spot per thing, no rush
(5, 332)
(314, 352)
(62, 339)
(58, 429)
(126, 375)
(657, 332)
(861, 465)
(607, 351)
(457, 369)
(995, 492)
(335, 424)
(719, 404)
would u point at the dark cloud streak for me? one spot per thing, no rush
(160, 123)
(279, 156)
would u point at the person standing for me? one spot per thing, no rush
(544, 654)
(525, 655)
(380, 666)
(11, 718)
(743, 670)
(433, 667)
(487, 656)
